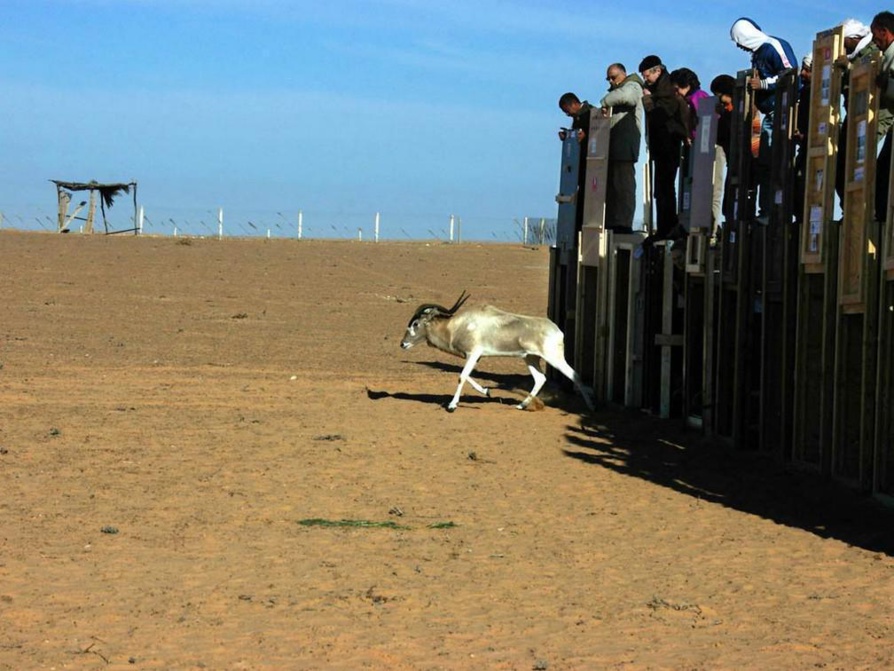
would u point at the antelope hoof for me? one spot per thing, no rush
(450, 408)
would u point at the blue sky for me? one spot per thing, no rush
(417, 109)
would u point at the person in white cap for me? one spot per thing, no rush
(857, 44)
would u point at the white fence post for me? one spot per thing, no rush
(219, 223)
(300, 222)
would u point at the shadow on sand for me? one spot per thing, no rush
(666, 453)
(517, 385)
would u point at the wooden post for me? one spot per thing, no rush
(91, 212)
(591, 305)
(735, 306)
(857, 328)
(64, 199)
(564, 264)
(818, 270)
(137, 212)
(777, 321)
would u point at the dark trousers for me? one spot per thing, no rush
(620, 196)
(882, 177)
(664, 191)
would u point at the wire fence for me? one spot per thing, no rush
(364, 226)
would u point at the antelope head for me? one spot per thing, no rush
(417, 328)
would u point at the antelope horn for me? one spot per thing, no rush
(463, 297)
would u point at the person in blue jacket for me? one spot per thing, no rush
(770, 57)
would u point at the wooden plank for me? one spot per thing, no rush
(883, 482)
(64, 200)
(859, 184)
(91, 212)
(776, 272)
(566, 234)
(856, 356)
(888, 241)
(623, 346)
(596, 182)
(825, 119)
(696, 248)
(696, 210)
(588, 279)
(592, 308)
(663, 339)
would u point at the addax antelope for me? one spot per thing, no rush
(487, 331)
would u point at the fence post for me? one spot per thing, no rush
(300, 222)
(219, 223)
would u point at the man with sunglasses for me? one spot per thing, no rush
(667, 127)
(624, 103)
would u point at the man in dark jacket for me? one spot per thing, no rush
(579, 112)
(770, 57)
(624, 102)
(667, 125)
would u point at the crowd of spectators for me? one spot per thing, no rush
(661, 105)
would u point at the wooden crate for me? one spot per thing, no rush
(825, 119)
(859, 264)
(859, 186)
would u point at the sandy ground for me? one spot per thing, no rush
(186, 424)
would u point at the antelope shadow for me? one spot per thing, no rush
(518, 384)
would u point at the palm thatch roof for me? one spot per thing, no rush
(108, 192)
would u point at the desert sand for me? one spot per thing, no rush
(214, 455)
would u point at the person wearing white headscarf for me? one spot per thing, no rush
(770, 57)
(857, 44)
(857, 36)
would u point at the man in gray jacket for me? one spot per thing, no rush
(624, 101)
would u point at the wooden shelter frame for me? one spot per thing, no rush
(107, 194)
